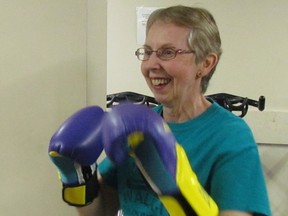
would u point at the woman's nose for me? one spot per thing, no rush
(153, 61)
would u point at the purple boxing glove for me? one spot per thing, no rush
(74, 149)
(138, 131)
(130, 129)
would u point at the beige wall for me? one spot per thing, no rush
(43, 70)
(254, 61)
(96, 52)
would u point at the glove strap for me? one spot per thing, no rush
(83, 194)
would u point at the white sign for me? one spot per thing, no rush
(143, 14)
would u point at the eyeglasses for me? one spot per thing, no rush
(143, 54)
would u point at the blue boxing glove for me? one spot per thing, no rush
(138, 131)
(74, 149)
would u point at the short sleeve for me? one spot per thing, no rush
(238, 183)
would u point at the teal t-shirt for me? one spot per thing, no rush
(222, 152)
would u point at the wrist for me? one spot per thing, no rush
(81, 194)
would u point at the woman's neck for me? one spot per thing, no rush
(181, 112)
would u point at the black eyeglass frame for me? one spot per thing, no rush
(159, 53)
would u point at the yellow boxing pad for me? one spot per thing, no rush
(189, 197)
(193, 197)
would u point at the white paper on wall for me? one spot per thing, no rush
(143, 14)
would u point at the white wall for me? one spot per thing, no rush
(42, 81)
(96, 52)
(254, 36)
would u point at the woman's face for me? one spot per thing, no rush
(171, 81)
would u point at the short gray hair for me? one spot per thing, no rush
(204, 37)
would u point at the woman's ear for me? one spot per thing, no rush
(209, 63)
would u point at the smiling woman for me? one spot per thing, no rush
(187, 133)
(178, 59)
(178, 82)
(182, 73)
(243, 69)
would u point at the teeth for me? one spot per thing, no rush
(159, 81)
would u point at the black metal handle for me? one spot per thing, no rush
(228, 101)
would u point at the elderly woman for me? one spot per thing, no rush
(179, 57)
